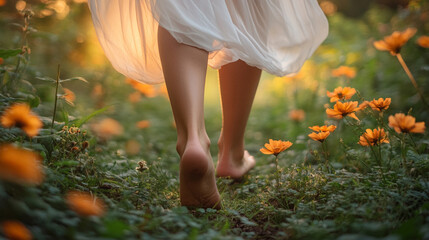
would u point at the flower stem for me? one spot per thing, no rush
(56, 99)
(277, 173)
(325, 153)
(403, 153)
(411, 77)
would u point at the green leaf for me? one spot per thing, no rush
(33, 102)
(74, 78)
(115, 228)
(48, 79)
(66, 163)
(6, 78)
(79, 122)
(5, 53)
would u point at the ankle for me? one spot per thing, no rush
(200, 140)
(230, 152)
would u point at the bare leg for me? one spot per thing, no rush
(238, 84)
(184, 70)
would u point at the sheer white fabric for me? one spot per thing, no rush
(274, 35)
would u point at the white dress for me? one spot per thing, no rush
(274, 35)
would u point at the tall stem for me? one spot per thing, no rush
(277, 174)
(56, 99)
(325, 153)
(403, 153)
(411, 77)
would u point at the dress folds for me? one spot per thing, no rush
(274, 35)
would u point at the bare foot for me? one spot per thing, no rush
(235, 169)
(197, 179)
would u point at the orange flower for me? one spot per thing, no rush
(85, 204)
(97, 91)
(395, 41)
(163, 90)
(107, 128)
(342, 110)
(20, 166)
(69, 96)
(147, 90)
(143, 124)
(406, 124)
(373, 137)
(19, 115)
(2, 2)
(423, 41)
(1, 59)
(275, 147)
(297, 115)
(341, 93)
(134, 97)
(362, 106)
(15, 230)
(320, 136)
(324, 128)
(344, 71)
(380, 104)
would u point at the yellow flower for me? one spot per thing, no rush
(15, 230)
(341, 93)
(373, 137)
(380, 104)
(342, 110)
(143, 124)
(344, 71)
(423, 41)
(19, 115)
(297, 115)
(85, 204)
(324, 128)
(319, 136)
(147, 90)
(20, 166)
(107, 128)
(275, 147)
(406, 124)
(395, 41)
